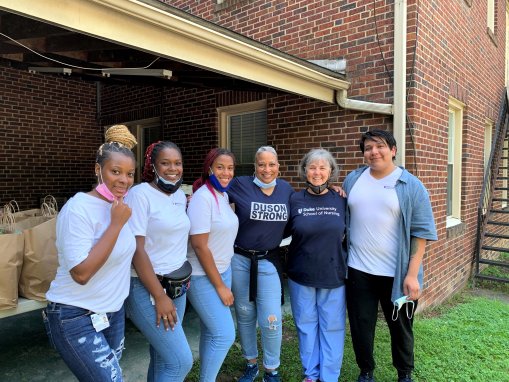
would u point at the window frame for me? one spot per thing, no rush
(225, 112)
(488, 141)
(136, 128)
(456, 107)
(490, 15)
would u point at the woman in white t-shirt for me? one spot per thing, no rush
(84, 318)
(214, 227)
(158, 287)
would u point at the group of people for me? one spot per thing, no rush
(123, 251)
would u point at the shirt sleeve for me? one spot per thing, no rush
(422, 224)
(76, 238)
(233, 189)
(140, 210)
(199, 212)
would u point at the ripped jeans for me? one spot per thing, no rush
(266, 310)
(91, 356)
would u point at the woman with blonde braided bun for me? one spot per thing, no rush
(84, 318)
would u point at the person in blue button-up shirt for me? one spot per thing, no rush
(389, 219)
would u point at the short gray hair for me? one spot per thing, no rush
(318, 154)
(263, 149)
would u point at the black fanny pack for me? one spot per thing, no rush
(176, 283)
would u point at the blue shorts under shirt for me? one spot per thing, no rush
(262, 218)
(317, 257)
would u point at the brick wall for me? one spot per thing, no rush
(50, 133)
(48, 136)
(454, 57)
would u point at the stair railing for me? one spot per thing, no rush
(490, 176)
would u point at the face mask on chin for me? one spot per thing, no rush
(165, 185)
(261, 184)
(216, 184)
(317, 189)
(104, 191)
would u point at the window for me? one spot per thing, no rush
(491, 16)
(488, 133)
(507, 43)
(146, 131)
(454, 152)
(243, 129)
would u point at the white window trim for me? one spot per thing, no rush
(506, 43)
(456, 107)
(491, 15)
(226, 111)
(488, 141)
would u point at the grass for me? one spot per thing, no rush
(465, 339)
(502, 272)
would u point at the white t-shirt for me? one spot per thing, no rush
(374, 217)
(162, 220)
(217, 219)
(80, 224)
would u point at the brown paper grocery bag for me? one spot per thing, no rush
(40, 259)
(11, 260)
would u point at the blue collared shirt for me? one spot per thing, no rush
(416, 220)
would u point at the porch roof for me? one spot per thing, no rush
(125, 33)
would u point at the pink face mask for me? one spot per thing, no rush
(103, 190)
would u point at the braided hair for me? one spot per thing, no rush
(118, 140)
(151, 154)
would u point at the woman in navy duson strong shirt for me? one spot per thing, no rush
(317, 268)
(262, 206)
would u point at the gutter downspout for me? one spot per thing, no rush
(398, 109)
(399, 121)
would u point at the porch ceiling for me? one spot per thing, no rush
(96, 34)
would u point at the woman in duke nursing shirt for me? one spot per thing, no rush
(317, 268)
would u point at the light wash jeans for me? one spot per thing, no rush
(319, 316)
(170, 355)
(91, 356)
(266, 310)
(216, 324)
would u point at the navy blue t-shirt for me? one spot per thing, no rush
(262, 218)
(316, 257)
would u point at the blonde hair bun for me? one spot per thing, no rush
(120, 134)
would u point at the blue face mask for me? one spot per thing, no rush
(398, 304)
(215, 183)
(165, 185)
(261, 184)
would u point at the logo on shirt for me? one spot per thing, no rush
(268, 212)
(317, 211)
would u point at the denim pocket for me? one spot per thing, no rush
(48, 328)
(69, 314)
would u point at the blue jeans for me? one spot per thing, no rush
(266, 310)
(216, 324)
(91, 356)
(170, 355)
(319, 316)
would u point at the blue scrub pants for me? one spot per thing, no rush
(319, 316)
